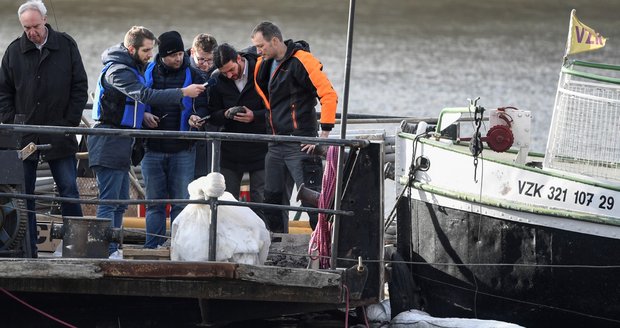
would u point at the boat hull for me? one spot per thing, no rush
(475, 265)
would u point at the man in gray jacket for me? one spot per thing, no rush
(43, 82)
(120, 103)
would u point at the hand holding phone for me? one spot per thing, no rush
(202, 119)
(211, 82)
(231, 112)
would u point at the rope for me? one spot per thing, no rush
(365, 317)
(49, 316)
(346, 317)
(320, 241)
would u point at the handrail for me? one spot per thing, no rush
(175, 201)
(595, 65)
(214, 137)
(186, 135)
(592, 76)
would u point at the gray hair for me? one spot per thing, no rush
(32, 5)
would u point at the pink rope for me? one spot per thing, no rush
(49, 316)
(321, 237)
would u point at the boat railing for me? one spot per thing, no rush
(583, 137)
(215, 138)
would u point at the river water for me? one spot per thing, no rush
(409, 57)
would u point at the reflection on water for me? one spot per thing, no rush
(409, 58)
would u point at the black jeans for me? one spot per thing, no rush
(282, 160)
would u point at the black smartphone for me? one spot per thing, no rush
(202, 119)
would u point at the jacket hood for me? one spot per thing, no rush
(118, 54)
(293, 46)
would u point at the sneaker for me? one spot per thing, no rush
(118, 255)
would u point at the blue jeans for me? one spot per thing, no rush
(64, 171)
(166, 176)
(113, 185)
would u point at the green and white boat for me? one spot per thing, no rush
(496, 231)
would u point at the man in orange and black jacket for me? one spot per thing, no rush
(289, 79)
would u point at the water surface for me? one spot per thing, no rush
(410, 57)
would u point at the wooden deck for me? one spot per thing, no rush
(204, 280)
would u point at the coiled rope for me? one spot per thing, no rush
(320, 240)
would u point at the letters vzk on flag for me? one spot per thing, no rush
(582, 37)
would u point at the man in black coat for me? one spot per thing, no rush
(236, 107)
(43, 82)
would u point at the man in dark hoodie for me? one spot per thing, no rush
(289, 79)
(236, 107)
(43, 82)
(168, 165)
(120, 103)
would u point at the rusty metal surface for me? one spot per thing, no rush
(168, 269)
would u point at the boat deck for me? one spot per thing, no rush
(203, 280)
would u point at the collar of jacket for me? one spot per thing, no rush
(293, 46)
(51, 44)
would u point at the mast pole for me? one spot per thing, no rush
(343, 134)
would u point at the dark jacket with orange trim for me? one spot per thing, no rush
(291, 94)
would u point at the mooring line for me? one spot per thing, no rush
(49, 316)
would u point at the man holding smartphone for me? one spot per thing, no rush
(168, 164)
(236, 107)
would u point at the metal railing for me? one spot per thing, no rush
(215, 138)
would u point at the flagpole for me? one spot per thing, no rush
(557, 94)
(569, 38)
(343, 134)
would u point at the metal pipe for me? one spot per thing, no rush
(215, 167)
(182, 135)
(343, 134)
(175, 201)
(213, 229)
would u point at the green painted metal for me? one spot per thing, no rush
(447, 111)
(596, 77)
(595, 65)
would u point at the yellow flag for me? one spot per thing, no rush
(582, 38)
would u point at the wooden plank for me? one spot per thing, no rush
(205, 289)
(288, 276)
(146, 254)
(48, 269)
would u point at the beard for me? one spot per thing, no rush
(136, 57)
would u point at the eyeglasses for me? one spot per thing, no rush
(204, 60)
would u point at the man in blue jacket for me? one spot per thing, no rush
(168, 165)
(120, 104)
(43, 82)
